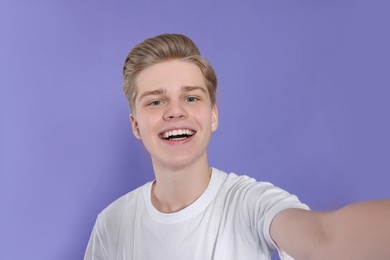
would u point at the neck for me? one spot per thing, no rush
(175, 189)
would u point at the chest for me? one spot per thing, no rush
(216, 233)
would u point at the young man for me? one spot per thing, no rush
(192, 211)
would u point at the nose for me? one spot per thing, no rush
(174, 110)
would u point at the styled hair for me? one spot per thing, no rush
(162, 48)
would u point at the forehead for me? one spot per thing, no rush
(169, 75)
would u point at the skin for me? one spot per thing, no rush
(173, 95)
(358, 231)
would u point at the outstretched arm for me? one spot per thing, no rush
(358, 231)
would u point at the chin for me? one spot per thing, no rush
(177, 162)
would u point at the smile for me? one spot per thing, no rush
(177, 134)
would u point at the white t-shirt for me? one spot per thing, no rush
(229, 221)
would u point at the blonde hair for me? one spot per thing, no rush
(162, 48)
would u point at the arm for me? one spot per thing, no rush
(357, 231)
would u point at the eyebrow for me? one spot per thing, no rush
(192, 88)
(161, 91)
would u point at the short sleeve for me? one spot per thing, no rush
(263, 201)
(278, 200)
(97, 248)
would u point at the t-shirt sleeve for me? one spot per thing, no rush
(97, 248)
(264, 202)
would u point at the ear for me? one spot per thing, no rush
(214, 118)
(134, 126)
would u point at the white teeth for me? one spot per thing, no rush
(168, 134)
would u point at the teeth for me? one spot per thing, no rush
(168, 134)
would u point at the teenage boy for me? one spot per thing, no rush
(192, 211)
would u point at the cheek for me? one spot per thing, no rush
(205, 116)
(142, 126)
(146, 124)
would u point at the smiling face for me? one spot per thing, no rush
(173, 114)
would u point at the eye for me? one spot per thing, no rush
(155, 103)
(191, 99)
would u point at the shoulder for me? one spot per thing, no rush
(235, 183)
(113, 213)
(257, 197)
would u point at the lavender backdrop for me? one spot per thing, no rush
(303, 100)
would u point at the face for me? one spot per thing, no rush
(173, 114)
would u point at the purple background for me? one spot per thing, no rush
(303, 102)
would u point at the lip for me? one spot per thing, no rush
(186, 140)
(177, 141)
(176, 128)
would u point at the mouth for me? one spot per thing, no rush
(177, 134)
